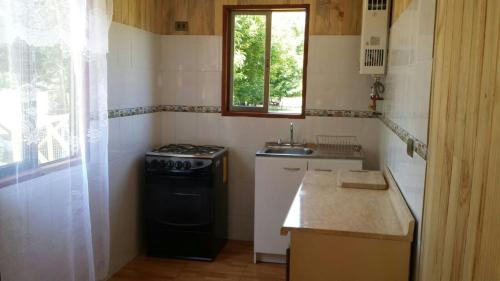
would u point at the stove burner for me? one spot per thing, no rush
(188, 149)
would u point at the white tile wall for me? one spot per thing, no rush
(191, 75)
(133, 67)
(333, 79)
(409, 72)
(191, 53)
(129, 138)
(191, 70)
(407, 96)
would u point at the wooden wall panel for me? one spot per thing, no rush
(461, 226)
(398, 7)
(328, 17)
(200, 16)
(337, 17)
(144, 14)
(220, 3)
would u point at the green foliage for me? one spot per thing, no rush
(249, 62)
(285, 73)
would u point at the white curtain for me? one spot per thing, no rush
(54, 220)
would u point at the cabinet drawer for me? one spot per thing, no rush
(329, 165)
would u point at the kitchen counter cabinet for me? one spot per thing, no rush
(348, 234)
(277, 180)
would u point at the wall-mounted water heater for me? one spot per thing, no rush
(374, 33)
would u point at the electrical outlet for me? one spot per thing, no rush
(410, 143)
(181, 26)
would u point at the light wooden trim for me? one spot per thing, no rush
(461, 228)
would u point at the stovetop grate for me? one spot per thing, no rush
(189, 149)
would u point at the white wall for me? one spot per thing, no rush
(132, 69)
(407, 98)
(191, 75)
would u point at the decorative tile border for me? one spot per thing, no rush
(341, 113)
(123, 112)
(419, 147)
(191, 108)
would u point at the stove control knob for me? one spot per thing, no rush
(178, 165)
(170, 164)
(187, 165)
(162, 164)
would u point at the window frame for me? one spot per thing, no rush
(229, 11)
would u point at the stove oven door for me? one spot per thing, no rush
(179, 202)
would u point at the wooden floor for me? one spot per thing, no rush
(234, 263)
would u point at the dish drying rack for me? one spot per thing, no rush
(337, 144)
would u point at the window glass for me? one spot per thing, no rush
(287, 60)
(35, 112)
(249, 60)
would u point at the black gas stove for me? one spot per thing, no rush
(186, 201)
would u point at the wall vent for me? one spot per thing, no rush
(374, 57)
(377, 5)
(374, 35)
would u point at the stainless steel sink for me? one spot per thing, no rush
(290, 151)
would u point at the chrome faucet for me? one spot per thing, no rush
(291, 133)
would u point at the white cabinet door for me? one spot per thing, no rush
(276, 183)
(329, 165)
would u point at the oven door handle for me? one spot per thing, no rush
(186, 194)
(182, 224)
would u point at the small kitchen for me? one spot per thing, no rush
(173, 68)
(249, 140)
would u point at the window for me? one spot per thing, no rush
(37, 115)
(265, 55)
